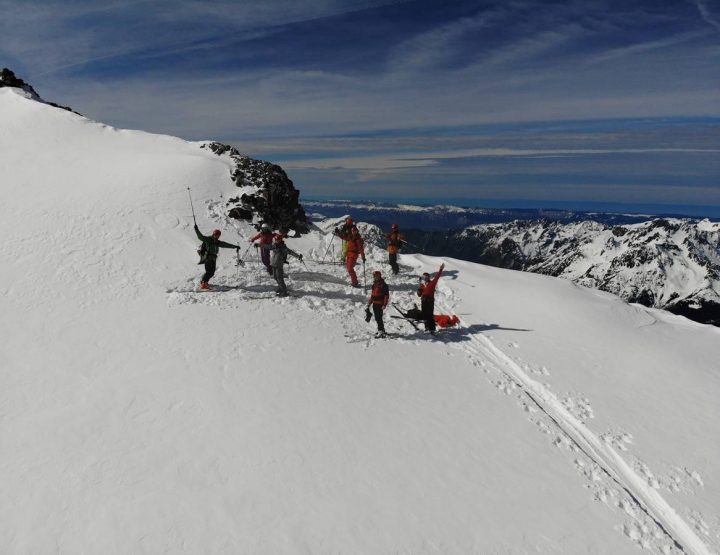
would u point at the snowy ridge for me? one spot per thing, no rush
(140, 415)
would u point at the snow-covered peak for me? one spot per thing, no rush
(665, 263)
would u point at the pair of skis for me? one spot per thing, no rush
(403, 316)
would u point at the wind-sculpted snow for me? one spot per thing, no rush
(141, 415)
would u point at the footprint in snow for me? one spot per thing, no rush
(166, 221)
(580, 408)
(643, 470)
(542, 371)
(618, 441)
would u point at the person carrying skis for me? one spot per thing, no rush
(355, 249)
(278, 257)
(426, 292)
(346, 229)
(379, 299)
(395, 242)
(211, 245)
(266, 238)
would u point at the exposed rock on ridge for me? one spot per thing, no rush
(266, 192)
(9, 79)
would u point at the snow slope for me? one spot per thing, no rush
(140, 416)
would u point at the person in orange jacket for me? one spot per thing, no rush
(266, 238)
(426, 292)
(345, 229)
(379, 299)
(395, 242)
(355, 249)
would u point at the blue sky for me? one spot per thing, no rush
(516, 103)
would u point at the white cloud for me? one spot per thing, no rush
(710, 12)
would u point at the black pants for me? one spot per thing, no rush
(279, 275)
(209, 269)
(378, 311)
(427, 305)
(392, 258)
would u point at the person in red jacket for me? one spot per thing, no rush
(426, 292)
(355, 249)
(379, 299)
(266, 238)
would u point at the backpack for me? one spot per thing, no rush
(202, 251)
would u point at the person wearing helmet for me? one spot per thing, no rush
(345, 229)
(266, 238)
(278, 257)
(355, 249)
(212, 245)
(395, 242)
(426, 292)
(379, 299)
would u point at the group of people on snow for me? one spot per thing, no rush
(274, 253)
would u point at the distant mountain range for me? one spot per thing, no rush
(667, 263)
(444, 217)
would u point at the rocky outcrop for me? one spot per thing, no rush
(9, 79)
(266, 192)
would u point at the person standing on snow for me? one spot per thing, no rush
(395, 242)
(426, 292)
(266, 238)
(279, 253)
(345, 229)
(211, 246)
(355, 249)
(379, 299)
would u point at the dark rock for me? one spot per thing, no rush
(9, 79)
(268, 194)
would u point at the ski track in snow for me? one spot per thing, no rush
(630, 487)
(655, 524)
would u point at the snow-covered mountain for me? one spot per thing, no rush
(139, 415)
(667, 263)
(447, 217)
(663, 263)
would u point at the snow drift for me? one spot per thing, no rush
(141, 416)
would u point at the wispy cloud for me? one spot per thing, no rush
(273, 76)
(710, 12)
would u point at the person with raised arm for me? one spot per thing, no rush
(426, 292)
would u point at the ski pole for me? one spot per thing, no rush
(326, 250)
(191, 206)
(247, 249)
(364, 278)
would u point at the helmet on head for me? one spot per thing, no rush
(216, 233)
(394, 226)
(426, 276)
(265, 227)
(377, 274)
